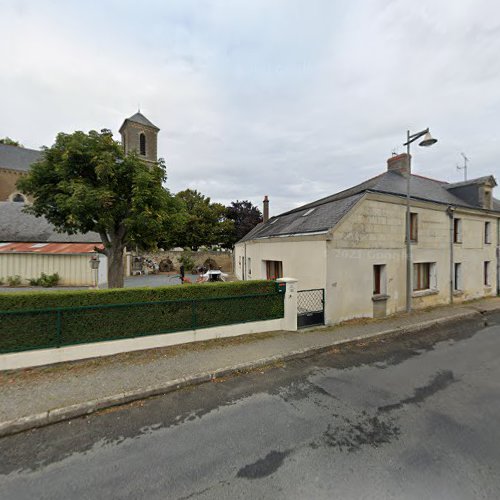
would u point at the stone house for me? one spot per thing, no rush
(352, 244)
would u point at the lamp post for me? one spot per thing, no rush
(427, 140)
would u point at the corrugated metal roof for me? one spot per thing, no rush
(48, 248)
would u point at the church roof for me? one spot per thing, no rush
(17, 226)
(18, 158)
(141, 119)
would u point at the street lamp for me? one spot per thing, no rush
(427, 141)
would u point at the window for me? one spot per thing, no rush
(249, 267)
(274, 269)
(413, 227)
(487, 232)
(142, 144)
(424, 276)
(239, 261)
(486, 273)
(379, 280)
(457, 230)
(457, 279)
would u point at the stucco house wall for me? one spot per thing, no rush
(303, 258)
(373, 233)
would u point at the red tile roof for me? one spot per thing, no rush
(50, 248)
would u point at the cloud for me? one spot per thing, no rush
(290, 99)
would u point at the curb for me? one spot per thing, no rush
(81, 409)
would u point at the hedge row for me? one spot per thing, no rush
(74, 298)
(121, 314)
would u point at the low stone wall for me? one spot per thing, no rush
(224, 260)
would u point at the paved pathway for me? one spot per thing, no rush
(31, 391)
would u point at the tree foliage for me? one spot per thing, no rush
(205, 223)
(85, 182)
(245, 217)
(11, 142)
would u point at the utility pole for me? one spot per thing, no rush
(464, 168)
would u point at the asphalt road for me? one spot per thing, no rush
(406, 418)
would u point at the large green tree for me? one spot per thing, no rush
(205, 222)
(85, 182)
(245, 217)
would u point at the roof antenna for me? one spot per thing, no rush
(464, 167)
(139, 107)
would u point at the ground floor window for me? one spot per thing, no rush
(379, 280)
(274, 269)
(457, 279)
(249, 266)
(487, 273)
(424, 276)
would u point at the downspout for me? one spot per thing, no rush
(450, 210)
(498, 256)
(245, 263)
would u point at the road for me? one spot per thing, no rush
(413, 417)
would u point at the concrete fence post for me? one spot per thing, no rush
(290, 320)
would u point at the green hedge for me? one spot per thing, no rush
(118, 314)
(73, 298)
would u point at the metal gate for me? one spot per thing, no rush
(310, 307)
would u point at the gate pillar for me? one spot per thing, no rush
(290, 320)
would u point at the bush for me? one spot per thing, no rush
(1, 281)
(186, 259)
(14, 280)
(45, 280)
(125, 315)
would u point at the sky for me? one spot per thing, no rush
(291, 99)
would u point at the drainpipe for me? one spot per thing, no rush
(245, 264)
(498, 256)
(450, 211)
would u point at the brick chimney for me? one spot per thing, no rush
(265, 217)
(399, 163)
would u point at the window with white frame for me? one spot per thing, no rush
(424, 276)
(457, 276)
(487, 232)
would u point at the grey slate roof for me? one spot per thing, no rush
(17, 226)
(139, 118)
(17, 158)
(328, 211)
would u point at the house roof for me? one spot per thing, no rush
(325, 213)
(141, 119)
(18, 158)
(17, 226)
(49, 248)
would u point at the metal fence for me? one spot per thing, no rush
(55, 327)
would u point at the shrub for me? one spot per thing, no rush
(186, 259)
(125, 315)
(14, 280)
(45, 280)
(1, 281)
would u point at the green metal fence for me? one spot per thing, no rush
(55, 327)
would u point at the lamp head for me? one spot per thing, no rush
(428, 140)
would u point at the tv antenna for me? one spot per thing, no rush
(464, 167)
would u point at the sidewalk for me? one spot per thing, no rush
(43, 395)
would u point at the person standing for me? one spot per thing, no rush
(182, 273)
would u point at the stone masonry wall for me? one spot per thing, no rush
(223, 259)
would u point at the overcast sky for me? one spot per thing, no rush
(293, 99)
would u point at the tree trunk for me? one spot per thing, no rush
(115, 266)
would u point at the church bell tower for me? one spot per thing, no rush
(140, 135)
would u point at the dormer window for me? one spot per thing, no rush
(142, 144)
